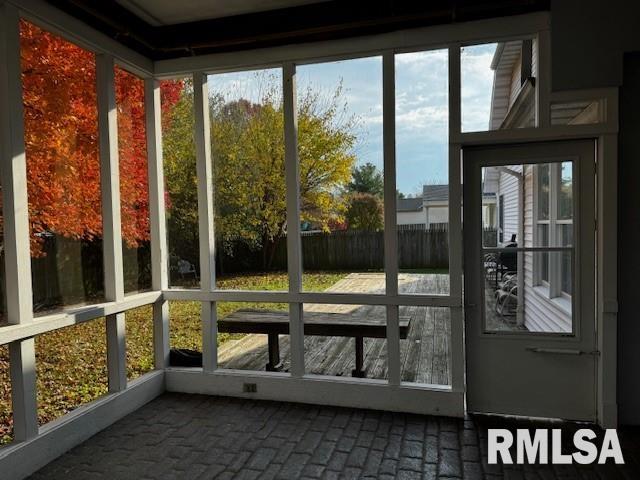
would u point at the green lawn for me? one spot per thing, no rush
(71, 362)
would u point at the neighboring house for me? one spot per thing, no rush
(534, 202)
(432, 209)
(410, 211)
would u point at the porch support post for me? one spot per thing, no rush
(456, 339)
(13, 171)
(294, 245)
(390, 228)
(607, 286)
(159, 263)
(112, 233)
(204, 169)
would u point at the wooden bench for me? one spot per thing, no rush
(273, 323)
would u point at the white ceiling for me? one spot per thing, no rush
(168, 12)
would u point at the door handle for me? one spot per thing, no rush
(562, 351)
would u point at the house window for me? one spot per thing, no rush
(501, 219)
(554, 226)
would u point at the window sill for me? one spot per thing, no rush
(562, 303)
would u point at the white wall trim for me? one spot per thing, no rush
(319, 390)
(21, 459)
(76, 31)
(426, 38)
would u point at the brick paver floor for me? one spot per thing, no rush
(179, 436)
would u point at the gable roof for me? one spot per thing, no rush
(409, 204)
(435, 193)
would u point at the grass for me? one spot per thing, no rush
(71, 363)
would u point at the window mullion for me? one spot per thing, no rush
(554, 270)
(204, 169)
(13, 168)
(294, 245)
(112, 236)
(390, 227)
(159, 263)
(456, 337)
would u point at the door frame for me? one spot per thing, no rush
(486, 392)
(606, 138)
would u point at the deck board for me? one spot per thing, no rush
(424, 354)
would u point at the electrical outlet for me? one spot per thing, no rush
(249, 388)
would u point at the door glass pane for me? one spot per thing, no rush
(422, 178)
(63, 170)
(565, 192)
(341, 172)
(247, 151)
(524, 290)
(543, 192)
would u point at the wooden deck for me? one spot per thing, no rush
(424, 354)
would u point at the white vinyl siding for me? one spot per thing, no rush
(412, 218)
(509, 188)
(541, 314)
(437, 215)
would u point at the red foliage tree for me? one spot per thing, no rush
(61, 140)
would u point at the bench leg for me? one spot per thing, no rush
(274, 364)
(359, 371)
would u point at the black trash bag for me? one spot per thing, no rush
(183, 357)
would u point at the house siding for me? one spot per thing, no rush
(509, 188)
(411, 218)
(540, 314)
(437, 215)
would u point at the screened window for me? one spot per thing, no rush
(63, 170)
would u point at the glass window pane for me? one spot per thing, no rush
(341, 170)
(543, 241)
(522, 289)
(422, 171)
(498, 85)
(247, 149)
(63, 170)
(565, 192)
(134, 186)
(543, 192)
(181, 182)
(566, 240)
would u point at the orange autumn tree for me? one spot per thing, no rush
(61, 140)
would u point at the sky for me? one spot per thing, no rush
(421, 104)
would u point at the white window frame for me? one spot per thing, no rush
(550, 288)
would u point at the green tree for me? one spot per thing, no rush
(248, 161)
(365, 212)
(179, 155)
(367, 179)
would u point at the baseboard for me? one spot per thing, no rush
(319, 390)
(21, 459)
